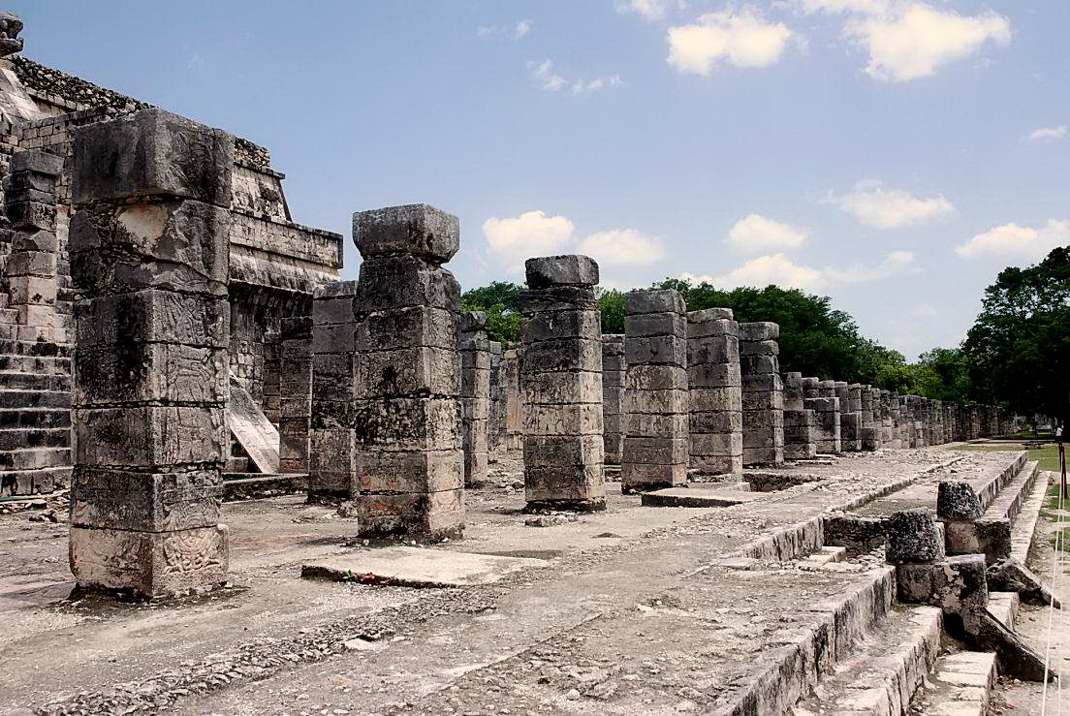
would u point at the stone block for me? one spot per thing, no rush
(33, 290)
(642, 425)
(148, 437)
(957, 500)
(574, 419)
(564, 388)
(728, 421)
(37, 162)
(708, 315)
(406, 424)
(153, 316)
(151, 153)
(393, 282)
(150, 372)
(579, 487)
(554, 299)
(423, 515)
(759, 331)
(913, 537)
(31, 215)
(563, 450)
(655, 377)
(646, 325)
(559, 325)
(405, 372)
(656, 450)
(145, 502)
(566, 354)
(417, 471)
(712, 351)
(656, 350)
(31, 263)
(573, 270)
(403, 328)
(707, 375)
(653, 301)
(655, 401)
(957, 584)
(706, 400)
(641, 477)
(717, 443)
(416, 230)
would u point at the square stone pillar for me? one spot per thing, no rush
(406, 409)
(561, 383)
(496, 425)
(715, 385)
(475, 395)
(828, 418)
(850, 416)
(872, 428)
(295, 394)
(149, 254)
(800, 423)
(655, 393)
(896, 419)
(614, 368)
(763, 401)
(514, 405)
(333, 442)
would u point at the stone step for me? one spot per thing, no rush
(1025, 526)
(34, 458)
(17, 380)
(34, 482)
(824, 556)
(1004, 607)
(35, 418)
(1009, 502)
(886, 669)
(960, 685)
(19, 398)
(36, 364)
(990, 489)
(19, 438)
(34, 348)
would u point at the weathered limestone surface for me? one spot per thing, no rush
(561, 385)
(763, 401)
(148, 249)
(514, 401)
(800, 422)
(850, 417)
(614, 369)
(496, 426)
(656, 392)
(333, 451)
(914, 537)
(295, 385)
(406, 411)
(872, 426)
(828, 418)
(475, 395)
(716, 392)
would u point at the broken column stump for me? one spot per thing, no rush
(149, 254)
(614, 369)
(475, 395)
(333, 448)
(406, 410)
(295, 394)
(763, 401)
(715, 387)
(561, 385)
(800, 422)
(656, 442)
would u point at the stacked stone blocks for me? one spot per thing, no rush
(561, 385)
(614, 368)
(148, 250)
(715, 386)
(295, 394)
(475, 395)
(826, 407)
(800, 422)
(763, 400)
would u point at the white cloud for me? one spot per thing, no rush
(651, 10)
(533, 233)
(1047, 134)
(873, 205)
(546, 78)
(913, 40)
(1011, 241)
(521, 28)
(778, 269)
(741, 38)
(515, 31)
(869, 7)
(622, 247)
(755, 233)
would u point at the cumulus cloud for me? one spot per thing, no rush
(651, 10)
(914, 40)
(780, 270)
(622, 247)
(515, 31)
(546, 78)
(871, 7)
(1047, 134)
(755, 233)
(740, 38)
(1011, 241)
(873, 205)
(533, 233)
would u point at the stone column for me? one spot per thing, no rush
(895, 418)
(828, 418)
(850, 418)
(614, 368)
(295, 388)
(872, 429)
(407, 411)
(655, 393)
(800, 423)
(514, 407)
(332, 464)
(716, 397)
(475, 395)
(149, 254)
(561, 383)
(763, 401)
(496, 425)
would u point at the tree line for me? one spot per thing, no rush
(1016, 354)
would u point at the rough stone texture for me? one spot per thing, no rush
(514, 401)
(913, 537)
(800, 422)
(872, 427)
(561, 385)
(763, 406)
(715, 386)
(656, 392)
(496, 426)
(406, 411)
(957, 500)
(163, 423)
(295, 384)
(850, 417)
(614, 370)
(475, 395)
(333, 459)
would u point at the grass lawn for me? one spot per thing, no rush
(1048, 456)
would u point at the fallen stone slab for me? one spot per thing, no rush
(417, 567)
(697, 497)
(1010, 575)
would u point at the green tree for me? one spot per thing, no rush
(611, 305)
(1018, 350)
(501, 302)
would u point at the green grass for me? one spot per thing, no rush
(1047, 456)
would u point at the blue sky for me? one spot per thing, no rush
(893, 154)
